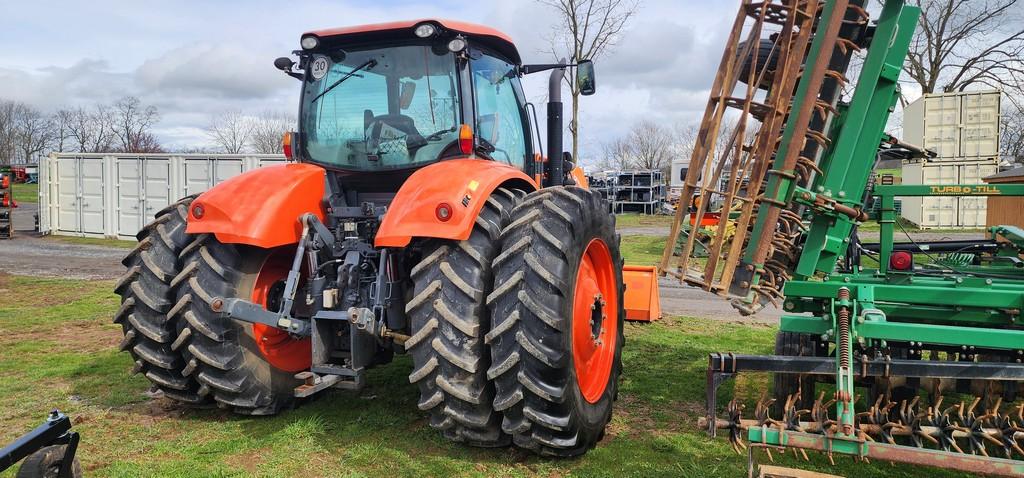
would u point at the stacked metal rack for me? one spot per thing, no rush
(6, 206)
(641, 191)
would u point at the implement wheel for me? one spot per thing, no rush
(248, 368)
(46, 463)
(147, 295)
(449, 319)
(556, 339)
(793, 345)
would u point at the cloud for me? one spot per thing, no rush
(86, 81)
(184, 58)
(223, 71)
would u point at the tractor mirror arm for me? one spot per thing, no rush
(285, 64)
(537, 68)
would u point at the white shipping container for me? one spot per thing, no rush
(957, 126)
(979, 119)
(115, 195)
(947, 211)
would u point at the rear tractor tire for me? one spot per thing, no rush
(249, 369)
(147, 295)
(556, 338)
(449, 319)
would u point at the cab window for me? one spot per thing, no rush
(500, 119)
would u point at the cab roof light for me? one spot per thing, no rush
(309, 42)
(457, 44)
(425, 30)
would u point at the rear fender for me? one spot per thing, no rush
(461, 184)
(261, 207)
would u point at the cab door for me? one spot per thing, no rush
(501, 124)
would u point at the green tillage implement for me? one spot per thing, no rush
(867, 325)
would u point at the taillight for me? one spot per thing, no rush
(443, 212)
(466, 139)
(901, 261)
(286, 145)
(198, 211)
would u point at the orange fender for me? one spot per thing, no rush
(461, 184)
(261, 207)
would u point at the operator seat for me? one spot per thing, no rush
(400, 122)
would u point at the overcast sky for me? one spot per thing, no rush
(193, 59)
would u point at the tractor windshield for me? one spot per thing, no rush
(381, 108)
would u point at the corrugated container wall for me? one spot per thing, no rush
(115, 195)
(946, 211)
(959, 127)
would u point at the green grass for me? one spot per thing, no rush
(93, 241)
(642, 250)
(633, 219)
(25, 192)
(59, 350)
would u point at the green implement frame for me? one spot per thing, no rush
(971, 304)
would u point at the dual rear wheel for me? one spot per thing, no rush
(517, 331)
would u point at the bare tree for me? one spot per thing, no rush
(230, 131)
(92, 130)
(268, 130)
(132, 125)
(35, 133)
(1011, 137)
(960, 43)
(585, 31)
(684, 140)
(651, 145)
(8, 131)
(62, 131)
(617, 155)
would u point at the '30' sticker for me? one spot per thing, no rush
(319, 67)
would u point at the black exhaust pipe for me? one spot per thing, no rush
(555, 171)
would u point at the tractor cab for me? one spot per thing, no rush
(399, 96)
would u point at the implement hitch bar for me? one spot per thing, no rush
(56, 430)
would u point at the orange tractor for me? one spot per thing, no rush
(420, 217)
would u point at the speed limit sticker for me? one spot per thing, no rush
(319, 67)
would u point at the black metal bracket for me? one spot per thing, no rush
(56, 430)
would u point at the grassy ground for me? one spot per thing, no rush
(643, 250)
(635, 220)
(93, 241)
(25, 192)
(59, 350)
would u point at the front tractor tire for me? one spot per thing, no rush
(556, 337)
(249, 369)
(147, 295)
(449, 319)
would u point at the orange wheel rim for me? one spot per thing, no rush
(595, 324)
(278, 347)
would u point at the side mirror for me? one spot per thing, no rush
(585, 79)
(286, 64)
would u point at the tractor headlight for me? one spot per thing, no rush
(457, 44)
(425, 30)
(309, 43)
